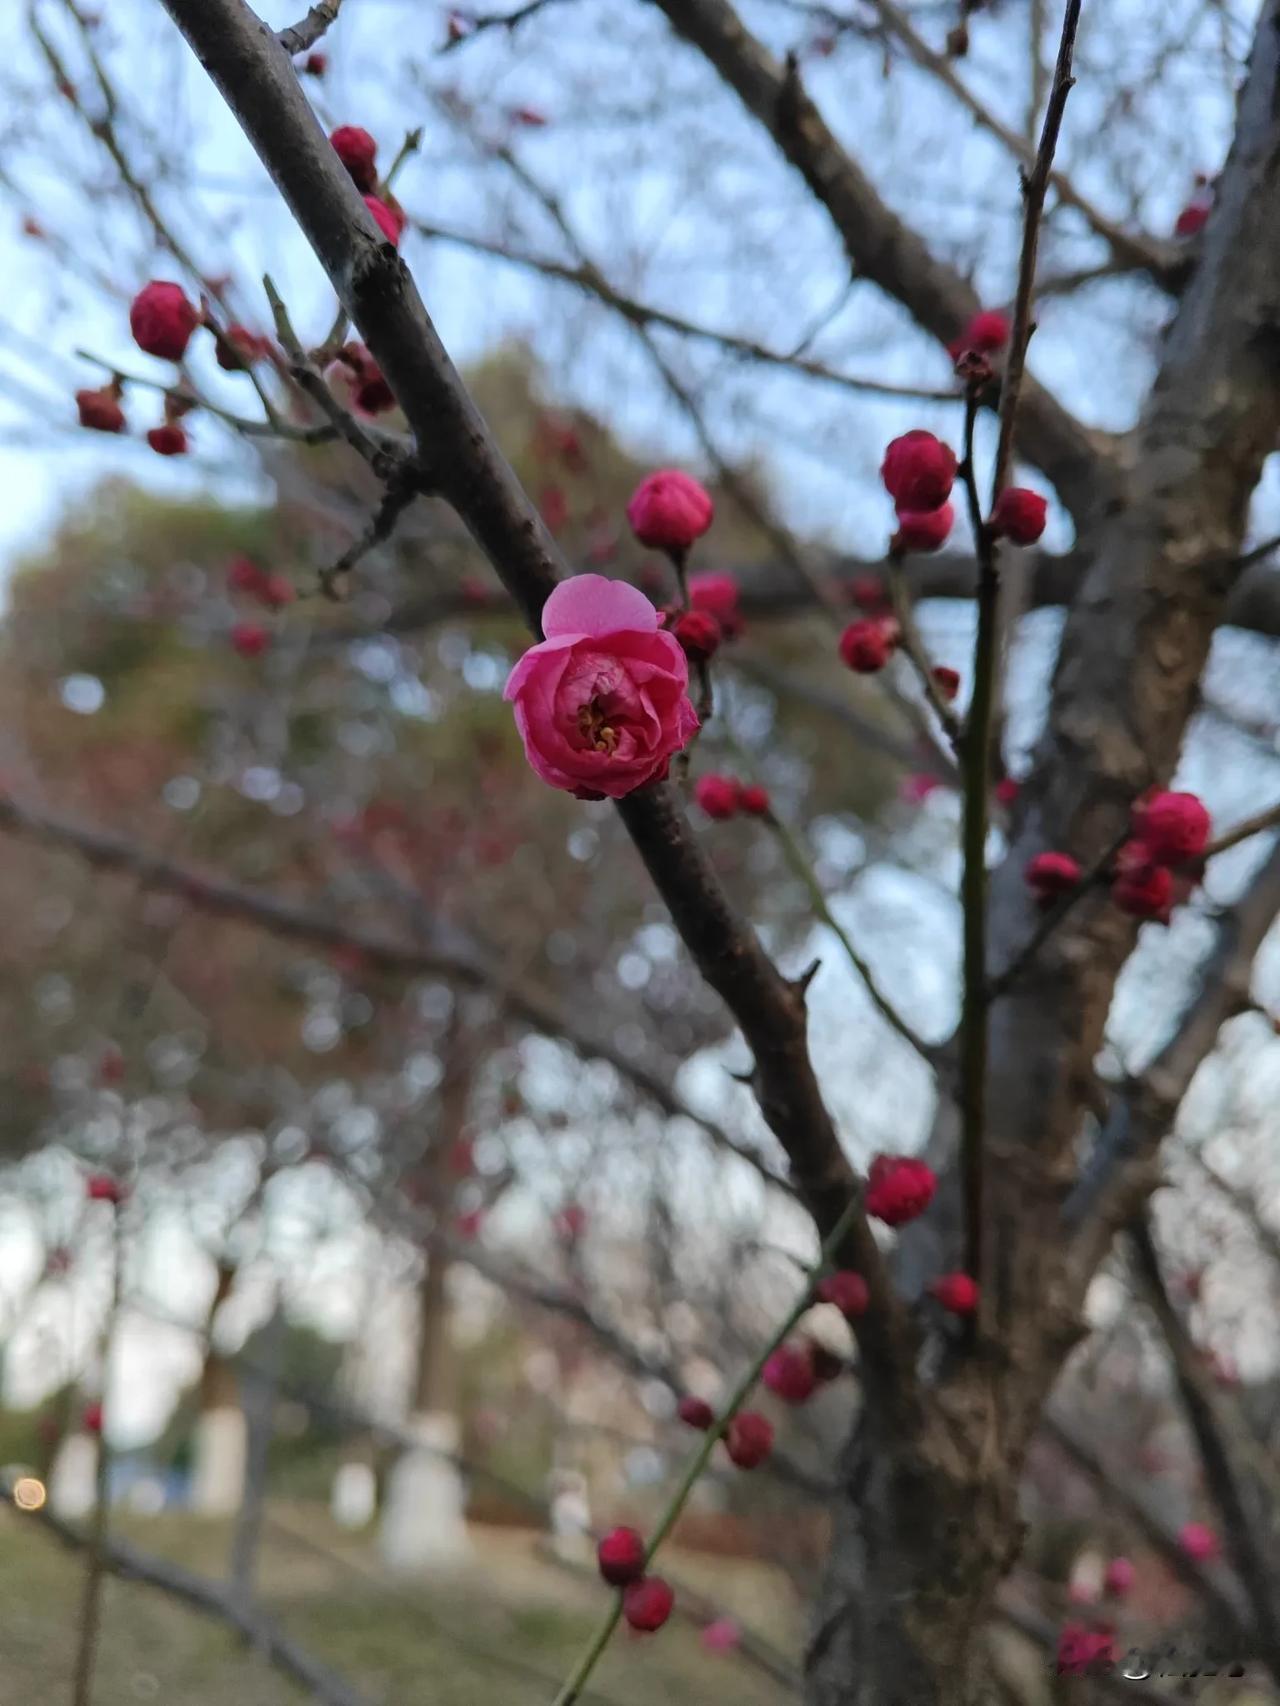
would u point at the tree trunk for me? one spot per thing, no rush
(220, 1442)
(424, 1520)
(923, 1530)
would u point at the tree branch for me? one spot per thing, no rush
(1252, 1554)
(458, 962)
(1134, 253)
(308, 31)
(881, 247)
(210, 1599)
(373, 283)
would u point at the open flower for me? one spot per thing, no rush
(603, 702)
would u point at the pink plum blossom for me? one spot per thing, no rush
(603, 702)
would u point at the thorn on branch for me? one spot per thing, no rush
(801, 983)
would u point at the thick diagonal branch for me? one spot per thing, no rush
(373, 284)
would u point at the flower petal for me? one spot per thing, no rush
(593, 604)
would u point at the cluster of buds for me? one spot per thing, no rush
(162, 320)
(1153, 871)
(358, 152)
(647, 1601)
(723, 797)
(273, 591)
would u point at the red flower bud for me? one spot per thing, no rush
(717, 594)
(315, 64)
(91, 1419)
(719, 796)
(100, 410)
(698, 633)
(360, 374)
(250, 639)
(388, 220)
(620, 1556)
(358, 152)
(469, 1226)
(162, 319)
(101, 1187)
(669, 510)
(867, 644)
(647, 1604)
(1198, 1541)
(1019, 515)
(868, 593)
(918, 471)
(922, 530)
(553, 506)
(788, 1373)
(1173, 827)
(753, 799)
(168, 440)
(957, 1293)
(1082, 1650)
(239, 348)
(986, 333)
(1193, 218)
(1049, 875)
(696, 1413)
(276, 591)
(1141, 887)
(571, 1222)
(1119, 1578)
(899, 1188)
(847, 1290)
(244, 575)
(1007, 790)
(530, 117)
(749, 1439)
(947, 681)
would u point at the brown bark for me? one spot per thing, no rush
(926, 1521)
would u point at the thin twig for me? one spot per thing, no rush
(211, 1599)
(402, 489)
(795, 857)
(975, 765)
(97, 1564)
(1249, 1546)
(308, 31)
(462, 962)
(581, 1674)
(917, 655)
(375, 451)
(1134, 251)
(977, 755)
(474, 24)
(590, 281)
(1097, 873)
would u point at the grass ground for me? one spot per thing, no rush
(506, 1629)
